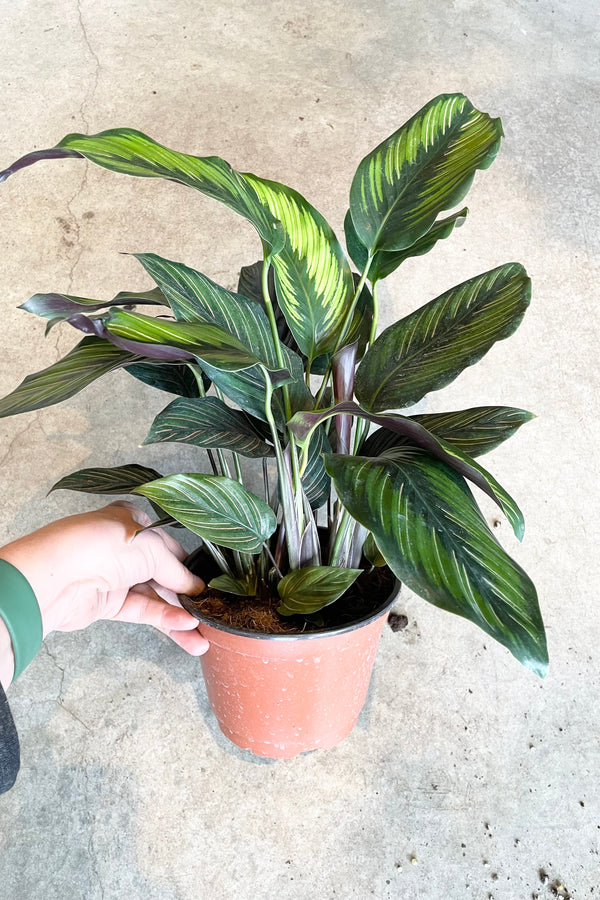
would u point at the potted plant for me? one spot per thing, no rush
(291, 370)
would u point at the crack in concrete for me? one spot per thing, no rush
(82, 112)
(10, 447)
(90, 93)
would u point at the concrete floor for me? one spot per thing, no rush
(462, 760)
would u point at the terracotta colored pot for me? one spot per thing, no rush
(280, 695)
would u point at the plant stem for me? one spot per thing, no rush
(272, 558)
(339, 549)
(345, 329)
(197, 373)
(286, 393)
(218, 556)
(275, 334)
(292, 530)
(343, 540)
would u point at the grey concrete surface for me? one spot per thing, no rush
(462, 760)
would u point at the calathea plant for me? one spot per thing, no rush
(291, 367)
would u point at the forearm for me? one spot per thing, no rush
(7, 659)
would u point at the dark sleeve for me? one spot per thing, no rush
(9, 746)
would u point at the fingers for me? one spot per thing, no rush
(137, 514)
(168, 571)
(173, 621)
(151, 588)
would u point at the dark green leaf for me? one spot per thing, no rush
(250, 285)
(372, 552)
(428, 348)
(425, 167)
(315, 480)
(385, 262)
(89, 360)
(118, 480)
(305, 591)
(175, 378)
(434, 538)
(473, 431)
(303, 424)
(195, 298)
(219, 509)
(208, 422)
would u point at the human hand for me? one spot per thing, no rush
(90, 566)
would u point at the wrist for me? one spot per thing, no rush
(7, 656)
(21, 617)
(23, 555)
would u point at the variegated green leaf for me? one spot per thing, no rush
(473, 431)
(425, 167)
(195, 298)
(303, 424)
(117, 480)
(208, 422)
(428, 348)
(89, 360)
(130, 152)
(312, 276)
(245, 587)
(207, 342)
(306, 591)
(385, 262)
(434, 538)
(219, 509)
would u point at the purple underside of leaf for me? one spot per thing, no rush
(306, 421)
(154, 351)
(343, 364)
(59, 305)
(30, 158)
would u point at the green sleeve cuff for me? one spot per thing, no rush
(21, 614)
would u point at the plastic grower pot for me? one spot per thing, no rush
(280, 695)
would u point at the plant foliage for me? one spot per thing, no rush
(291, 370)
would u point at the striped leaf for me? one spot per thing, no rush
(434, 538)
(372, 552)
(312, 276)
(427, 349)
(61, 306)
(89, 360)
(473, 431)
(425, 167)
(306, 591)
(208, 422)
(195, 298)
(174, 378)
(117, 480)
(245, 586)
(130, 152)
(315, 480)
(206, 342)
(385, 262)
(303, 424)
(218, 509)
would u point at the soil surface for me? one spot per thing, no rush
(259, 614)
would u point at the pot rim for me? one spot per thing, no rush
(382, 608)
